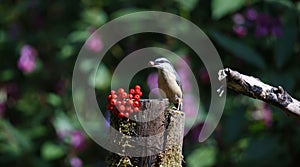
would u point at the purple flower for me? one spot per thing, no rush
(276, 27)
(27, 60)
(261, 30)
(184, 73)
(251, 14)
(276, 31)
(95, 43)
(152, 80)
(77, 140)
(238, 19)
(152, 84)
(262, 25)
(75, 162)
(240, 30)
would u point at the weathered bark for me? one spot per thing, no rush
(154, 119)
(255, 88)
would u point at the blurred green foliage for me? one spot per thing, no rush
(38, 124)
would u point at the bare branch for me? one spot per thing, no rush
(254, 88)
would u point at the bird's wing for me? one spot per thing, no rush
(178, 80)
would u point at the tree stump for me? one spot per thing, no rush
(155, 134)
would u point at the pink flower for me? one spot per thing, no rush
(263, 113)
(77, 140)
(239, 27)
(267, 118)
(75, 162)
(26, 62)
(94, 43)
(240, 30)
(238, 19)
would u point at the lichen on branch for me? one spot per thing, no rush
(253, 87)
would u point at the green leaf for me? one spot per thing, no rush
(238, 49)
(286, 3)
(285, 44)
(187, 4)
(54, 99)
(6, 75)
(102, 79)
(94, 17)
(3, 36)
(62, 122)
(202, 157)
(16, 142)
(298, 6)
(221, 8)
(51, 151)
(78, 36)
(66, 52)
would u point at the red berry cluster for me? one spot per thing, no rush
(123, 104)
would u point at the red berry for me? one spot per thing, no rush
(110, 107)
(138, 92)
(120, 90)
(123, 102)
(121, 108)
(127, 108)
(137, 87)
(124, 95)
(114, 96)
(109, 97)
(131, 111)
(130, 102)
(136, 109)
(130, 96)
(126, 115)
(131, 91)
(121, 115)
(119, 103)
(137, 97)
(113, 101)
(136, 104)
(112, 92)
(120, 97)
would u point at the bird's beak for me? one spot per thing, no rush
(151, 64)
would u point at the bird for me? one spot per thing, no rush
(169, 82)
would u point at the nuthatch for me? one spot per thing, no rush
(168, 81)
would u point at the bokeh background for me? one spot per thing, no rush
(40, 41)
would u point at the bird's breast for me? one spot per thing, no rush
(168, 84)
